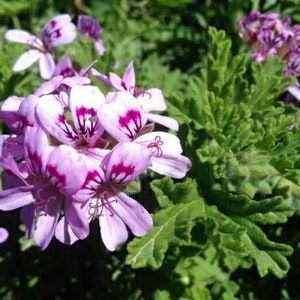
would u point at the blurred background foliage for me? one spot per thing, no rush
(168, 41)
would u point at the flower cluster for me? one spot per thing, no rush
(72, 151)
(270, 35)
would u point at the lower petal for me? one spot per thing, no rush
(113, 230)
(46, 223)
(133, 214)
(47, 66)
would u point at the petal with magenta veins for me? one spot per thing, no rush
(125, 162)
(60, 161)
(122, 118)
(37, 150)
(84, 104)
(51, 115)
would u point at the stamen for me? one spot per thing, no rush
(102, 202)
(41, 201)
(137, 92)
(156, 146)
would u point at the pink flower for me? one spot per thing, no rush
(150, 100)
(58, 31)
(107, 202)
(47, 188)
(90, 27)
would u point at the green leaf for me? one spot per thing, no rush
(172, 227)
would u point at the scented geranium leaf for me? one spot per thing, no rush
(225, 73)
(233, 226)
(168, 193)
(173, 226)
(269, 256)
(205, 273)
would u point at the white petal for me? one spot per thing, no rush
(47, 66)
(26, 60)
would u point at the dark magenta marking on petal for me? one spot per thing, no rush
(119, 172)
(87, 120)
(132, 122)
(92, 176)
(53, 23)
(35, 162)
(54, 175)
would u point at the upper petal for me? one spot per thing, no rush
(51, 115)
(84, 104)
(126, 162)
(122, 118)
(129, 75)
(21, 36)
(66, 169)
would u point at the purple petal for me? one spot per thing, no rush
(59, 31)
(100, 47)
(16, 198)
(9, 113)
(45, 225)
(27, 111)
(26, 60)
(129, 75)
(47, 66)
(117, 82)
(37, 150)
(64, 233)
(133, 214)
(166, 152)
(77, 219)
(49, 86)
(101, 77)
(113, 230)
(50, 113)
(27, 216)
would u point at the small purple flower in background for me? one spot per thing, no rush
(90, 27)
(58, 31)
